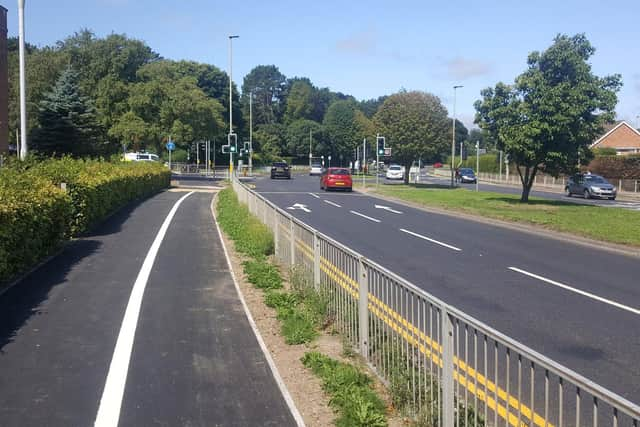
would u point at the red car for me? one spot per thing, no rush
(336, 178)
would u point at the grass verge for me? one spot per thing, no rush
(350, 390)
(613, 225)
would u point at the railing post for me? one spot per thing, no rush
(276, 232)
(316, 261)
(363, 308)
(448, 401)
(292, 241)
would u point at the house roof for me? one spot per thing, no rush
(613, 129)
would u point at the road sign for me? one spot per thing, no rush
(171, 146)
(387, 152)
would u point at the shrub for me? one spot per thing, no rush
(262, 274)
(616, 167)
(34, 221)
(36, 216)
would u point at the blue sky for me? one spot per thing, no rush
(363, 48)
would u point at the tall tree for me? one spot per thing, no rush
(299, 101)
(68, 123)
(415, 125)
(299, 141)
(370, 106)
(267, 84)
(345, 128)
(555, 109)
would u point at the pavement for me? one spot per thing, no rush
(104, 333)
(578, 305)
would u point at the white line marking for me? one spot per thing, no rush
(387, 208)
(111, 401)
(274, 369)
(332, 204)
(577, 291)
(430, 240)
(364, 216)
(315, 195)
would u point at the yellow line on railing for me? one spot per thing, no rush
(393, 318)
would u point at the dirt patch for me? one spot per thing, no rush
(304, 387)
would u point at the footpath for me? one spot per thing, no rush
(194, 359)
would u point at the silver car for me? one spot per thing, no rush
(589, 185)
(316, 169)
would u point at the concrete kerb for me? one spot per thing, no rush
(274, 370)
(526, 228)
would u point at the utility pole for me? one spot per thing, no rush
(250, 133)
(477, 164)
(500, 165)
(310, 154)
(364, 162)
(214, 157)
(23, 84)
(453, 135)
(231, 102)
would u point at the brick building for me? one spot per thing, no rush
(4, 84)
(622, 136)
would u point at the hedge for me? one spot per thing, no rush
(36, 216)
(616, 167)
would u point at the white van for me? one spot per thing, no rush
(141, 157)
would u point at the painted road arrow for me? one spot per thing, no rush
(299, 206)
(387, 208)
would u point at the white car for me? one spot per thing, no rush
(141, 157)
(316, 169)
(395, 172)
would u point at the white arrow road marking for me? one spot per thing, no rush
(364, 216)
(577, 291)
(315, 195)
(332, 204)
(387, 208)
(299, 206)
(111, 401)
(430, 240)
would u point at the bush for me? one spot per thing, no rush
(350, 390)
(262, 274)
(251, 237)
(36, 216)
(616, 167)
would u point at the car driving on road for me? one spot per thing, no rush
(280, 170)
(395, 172)
(589, 186)
(316, 169)
(467, 175)
(333, 178)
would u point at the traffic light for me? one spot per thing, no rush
(380, 145)
(232, 148)
(232, 142)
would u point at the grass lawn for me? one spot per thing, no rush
(606, 224)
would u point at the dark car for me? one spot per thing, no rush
(466, 175)
(280, 170)
(589, 185)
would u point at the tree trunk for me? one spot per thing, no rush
(527, 181)
(407, 169)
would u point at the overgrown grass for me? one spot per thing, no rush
(350, 390)
(613, 225)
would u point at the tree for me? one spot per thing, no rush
(415, 125)
(267, 85)
(269, 141)
(370, 106)
(131, 131)
(345, 128)
(551, 114)
(300, 101)
(68, 123)
(297, 137)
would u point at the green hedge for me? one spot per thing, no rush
(36, 216)
(618, 167)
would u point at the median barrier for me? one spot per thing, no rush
(445, 367)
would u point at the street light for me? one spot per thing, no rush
(23, 84)
(231, 101)
(453, 136)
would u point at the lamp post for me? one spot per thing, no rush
(453, 136)
(251, 133)
(23, 84)
(310, 153)
(231, 101)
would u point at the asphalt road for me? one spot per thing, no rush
(503, 277)
(190, 355)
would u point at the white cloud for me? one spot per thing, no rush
(460, 68)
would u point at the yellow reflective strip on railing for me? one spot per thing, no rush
(349, 284)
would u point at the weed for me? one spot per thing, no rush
(262, 274)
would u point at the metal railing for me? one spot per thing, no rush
(447, 367)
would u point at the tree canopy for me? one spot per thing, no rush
(415, 125)
(547, 119)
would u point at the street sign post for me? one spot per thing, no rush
(170, 147)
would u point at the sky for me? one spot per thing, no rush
(363, 48)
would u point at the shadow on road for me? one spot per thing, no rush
(515, 200)
(25, 299)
